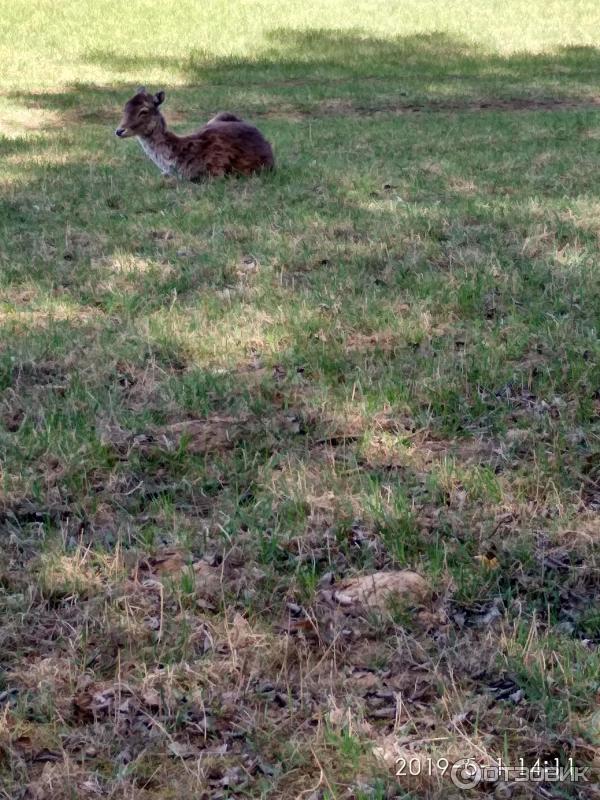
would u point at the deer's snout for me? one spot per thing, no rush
(120, 132)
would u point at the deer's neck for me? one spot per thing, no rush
(159, 147)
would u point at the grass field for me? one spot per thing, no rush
(221, 406)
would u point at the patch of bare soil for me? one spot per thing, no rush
(349, 107)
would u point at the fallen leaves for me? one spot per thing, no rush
(208, 578)
(63, 781)
(30, 749)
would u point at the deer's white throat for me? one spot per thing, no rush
(158, 155)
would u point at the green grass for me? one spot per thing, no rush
(384, 355)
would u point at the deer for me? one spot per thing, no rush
(225, 145)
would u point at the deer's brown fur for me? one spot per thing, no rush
(225, 145)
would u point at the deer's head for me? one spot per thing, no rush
(141, 114)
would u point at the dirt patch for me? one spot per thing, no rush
(108, 115)
(348, 107)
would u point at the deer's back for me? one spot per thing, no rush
(222, 147)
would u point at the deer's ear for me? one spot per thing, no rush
(140, 90)
(159, 98)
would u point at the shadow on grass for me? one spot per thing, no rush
(102, 233)
(336, 331)
(327, 72)
(336, 54)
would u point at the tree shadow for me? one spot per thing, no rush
(353, 54)
(403, 284)
(328, 72)
(102, 232)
